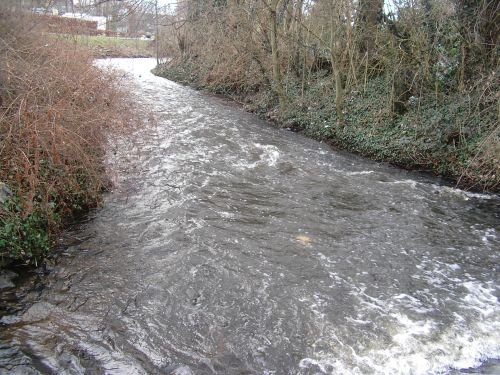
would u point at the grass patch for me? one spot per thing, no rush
(105, 46)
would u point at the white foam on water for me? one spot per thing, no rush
(454, 267)
(489, 235)
(358, 321)
(411, 183)
(327, 366)
(423, 346)
(445, 189)
(346, 172)
(411, 329)
(269, 156)
(185, 110)
(227, 215)
(481, 297)
(462, 193)
(412, 302)
(358, 173)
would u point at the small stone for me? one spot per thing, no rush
(6, 278)
(5, 192)
(304, 240)
(38, 311)
(6, 283)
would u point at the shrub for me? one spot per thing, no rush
(56, 108)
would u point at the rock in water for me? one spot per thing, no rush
(5, 192)
(304, 240)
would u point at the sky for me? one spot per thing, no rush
(169, 4)
(172, 3)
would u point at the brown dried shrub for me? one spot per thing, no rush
(56, 110)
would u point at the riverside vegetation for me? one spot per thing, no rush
(411, 83)
(56, 109)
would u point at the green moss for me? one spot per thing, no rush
(24, 238)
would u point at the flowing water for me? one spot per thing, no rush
(232, 247)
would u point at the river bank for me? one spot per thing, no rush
(443, 136)
(57, 112)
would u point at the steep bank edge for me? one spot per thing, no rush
(423, 139)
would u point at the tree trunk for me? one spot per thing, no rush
(339, 87)
(336, 58)
(278, 84)
(480, 30)
(298, 36)
(370, 14)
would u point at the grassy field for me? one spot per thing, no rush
(105, 46)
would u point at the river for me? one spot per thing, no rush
(228, 246)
